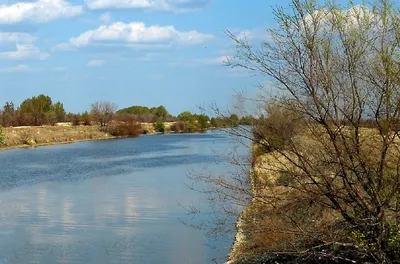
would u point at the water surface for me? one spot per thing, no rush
(114, 201)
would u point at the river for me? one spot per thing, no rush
(112, 201)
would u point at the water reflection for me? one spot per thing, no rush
(105, 201)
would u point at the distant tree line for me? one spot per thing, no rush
(146, 114)
(40, 110)
(35, 111)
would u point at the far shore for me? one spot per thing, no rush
(61, 133)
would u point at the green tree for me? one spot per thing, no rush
(203, 121)
(234, 120)
(214, 122)
(8, 115)
(247, 120)
(51, 118)
(161, 112)
(186, 116)
(159, 126)
(59, 111)
(35, 109)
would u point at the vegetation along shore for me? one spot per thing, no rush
(323, 182)
(37, 121)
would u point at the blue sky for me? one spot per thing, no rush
(130, 52)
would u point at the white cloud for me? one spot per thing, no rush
(106, 4)
(136, 35)
(175, 6)
(39, 11)
(221, 60)
(18, 68)
(253, 34)
(22, 52)
(17, 37)
(96, 63)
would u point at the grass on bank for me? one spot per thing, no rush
(43, 135)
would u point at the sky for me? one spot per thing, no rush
(129, 52)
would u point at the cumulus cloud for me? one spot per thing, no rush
(40, 11)
(175, 6)
(136, 35)
(22, 52)
(16, 37)
(18, 68)
(96, 63)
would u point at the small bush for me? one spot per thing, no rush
(87, 119)
(2, 136)
(179, 127)
(125, 129)
(159, 126)
(76, 120)
(257, 151)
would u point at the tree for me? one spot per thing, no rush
(203, 121)
(234, 120)
(58, 109)
(159, 126)
(34, 109)
(186, 116)
(161, 112)
(213, 122)
(87, 118)
(103, 112)
(328, 189)
(8, 115)
(76, 119)
(247, 120)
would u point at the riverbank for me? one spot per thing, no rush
(251, 226)
(23, 137)
(62, 133)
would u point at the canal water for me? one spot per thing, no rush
(113, 201)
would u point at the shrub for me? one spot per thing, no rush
(125, 129)
(159, 126)
(179, 127)
(76, 120)
(2, 136)
(87, 119)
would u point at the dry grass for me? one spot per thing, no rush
(43, 135)
(148, 127)
(61, 133)
(264, 225)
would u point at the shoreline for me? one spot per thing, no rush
(27, 146)
(85, 134)
(241, 240)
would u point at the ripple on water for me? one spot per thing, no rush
(105, 202)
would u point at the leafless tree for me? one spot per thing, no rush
(326, 186)
(103, 112)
